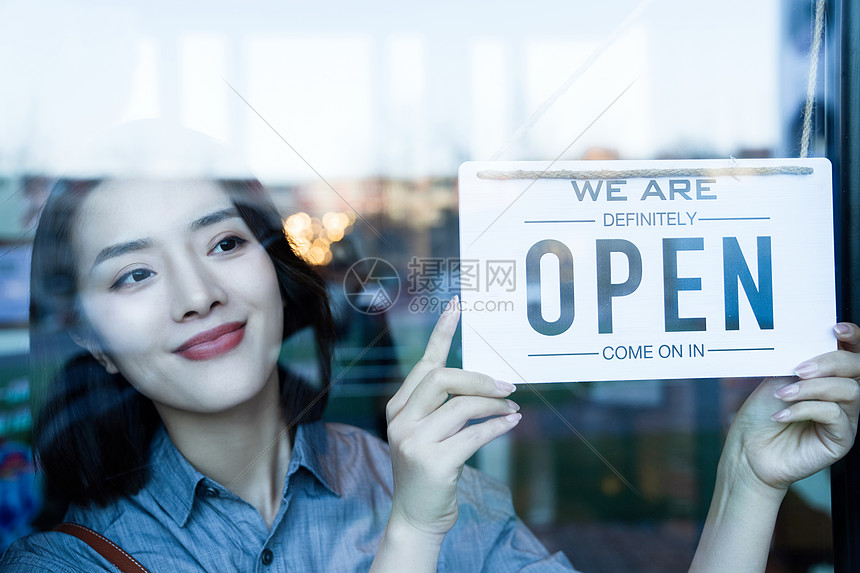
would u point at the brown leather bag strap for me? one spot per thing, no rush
(104, 546)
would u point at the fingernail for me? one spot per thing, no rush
(513, 418)
(506, 387)
(451, 305)
(781, 415)
(513, 405)
(787, 391)
(806, 370)
(841, 328)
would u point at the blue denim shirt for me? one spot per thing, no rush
(337, 499)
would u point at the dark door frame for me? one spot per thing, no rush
(843, 150)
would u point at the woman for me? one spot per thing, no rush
(174, 432)
(178, 295)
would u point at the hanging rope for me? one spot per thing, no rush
(817, 32)
(646, 173)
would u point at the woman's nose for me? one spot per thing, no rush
(196, 290)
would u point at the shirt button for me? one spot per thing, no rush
(210, 491)
(267, 557)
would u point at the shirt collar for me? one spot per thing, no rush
(313, 451)
(174, 481)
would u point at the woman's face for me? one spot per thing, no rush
(182, 298)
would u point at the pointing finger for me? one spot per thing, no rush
(435, 355)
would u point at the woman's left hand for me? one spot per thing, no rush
(789, 429)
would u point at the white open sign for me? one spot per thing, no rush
(634, 270)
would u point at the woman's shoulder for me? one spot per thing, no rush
(52, 551)
(487, 531)
(131, 522)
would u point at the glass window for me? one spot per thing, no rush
(356, 116)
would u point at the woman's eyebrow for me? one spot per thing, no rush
(213, 218)
(120, 249)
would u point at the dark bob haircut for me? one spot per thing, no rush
(93, 432)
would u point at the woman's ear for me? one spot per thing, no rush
(86, 342)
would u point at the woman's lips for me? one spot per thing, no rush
(212, 343)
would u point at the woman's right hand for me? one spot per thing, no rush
(789, 429)
(786, 430)
(430, 435)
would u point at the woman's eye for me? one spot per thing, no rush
(132, 277)
(228, 244)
